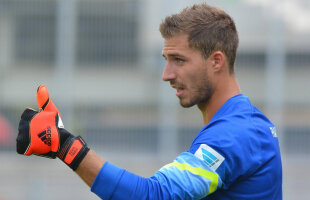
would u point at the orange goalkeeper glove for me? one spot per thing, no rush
(42, 133)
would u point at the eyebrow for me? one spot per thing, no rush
(173, 55)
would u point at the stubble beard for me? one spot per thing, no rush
(201, 95)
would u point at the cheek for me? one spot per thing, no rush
(193, 73)
(191, 80)
(198, 77)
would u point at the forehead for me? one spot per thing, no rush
(176, 43)
(179, 40)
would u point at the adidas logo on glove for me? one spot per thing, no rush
(45, 136)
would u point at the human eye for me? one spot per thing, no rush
(179, 60)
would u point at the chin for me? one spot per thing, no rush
(186, 104)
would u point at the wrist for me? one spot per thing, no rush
(72, 149)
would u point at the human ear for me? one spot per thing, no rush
(218, 60)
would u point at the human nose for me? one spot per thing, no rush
(168, 73)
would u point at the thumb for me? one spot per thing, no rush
(44, 101)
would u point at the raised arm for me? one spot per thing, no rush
(42, 133)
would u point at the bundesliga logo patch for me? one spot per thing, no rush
(273, 131)
(209, 156)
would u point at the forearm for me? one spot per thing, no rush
(90, 167)
(113, 182)
(186, 178)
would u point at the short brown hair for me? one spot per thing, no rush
(209, 29)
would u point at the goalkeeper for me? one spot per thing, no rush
(235, 155)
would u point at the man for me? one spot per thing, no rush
(235, 155)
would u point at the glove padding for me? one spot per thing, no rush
(42, 133)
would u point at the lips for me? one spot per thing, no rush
(179, 93)
(179, 88)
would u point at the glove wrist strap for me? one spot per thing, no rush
(73, 151)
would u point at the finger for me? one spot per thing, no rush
(28, 114)
(44, 101)
(23, 138)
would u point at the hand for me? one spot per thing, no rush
(42, 133)
(38, 133)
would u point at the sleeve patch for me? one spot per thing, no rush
(209, 156)
(273, 131)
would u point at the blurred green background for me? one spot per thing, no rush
(101, 61)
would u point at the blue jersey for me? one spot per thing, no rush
(235, 156)
(241, 145)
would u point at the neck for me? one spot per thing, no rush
(223, 91)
